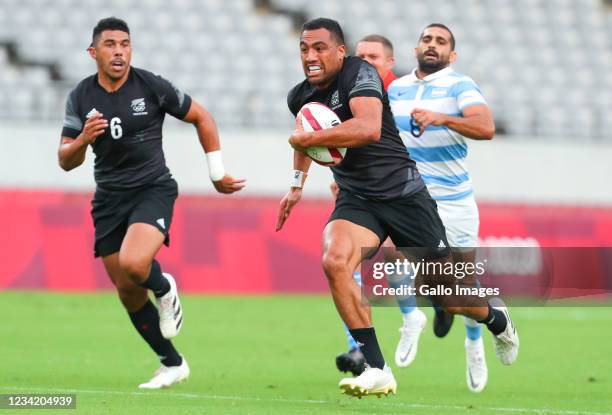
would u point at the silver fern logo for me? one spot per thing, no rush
(139, 106)
(335, 99)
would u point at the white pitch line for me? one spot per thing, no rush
(540, 411)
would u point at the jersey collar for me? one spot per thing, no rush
(442, 72)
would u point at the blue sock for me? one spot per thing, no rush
(473, 329)
(352, 344)
(407, 304)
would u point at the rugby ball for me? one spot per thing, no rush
(316, 116)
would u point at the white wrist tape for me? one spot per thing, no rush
(215, 165)
(298, 178)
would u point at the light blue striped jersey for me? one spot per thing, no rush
(440, 153)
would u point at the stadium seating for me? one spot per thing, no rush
(545, 66)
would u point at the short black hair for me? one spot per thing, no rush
(108, 23)
(378, 39)
(441, 26)
(325, 23)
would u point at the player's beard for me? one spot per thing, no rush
(430, 67)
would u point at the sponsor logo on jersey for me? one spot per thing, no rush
(139, 106)
(91, 113)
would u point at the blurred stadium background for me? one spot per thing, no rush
(545, 67)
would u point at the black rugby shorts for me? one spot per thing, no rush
(411, 221)
(113, 211)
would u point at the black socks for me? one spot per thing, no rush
(368, 344)
(496, 321)
(146, 322)
(156, 282)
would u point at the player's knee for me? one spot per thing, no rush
(334, 264)
(135, 267)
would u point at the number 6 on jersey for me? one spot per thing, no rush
(115, 128)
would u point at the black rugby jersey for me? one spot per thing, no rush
(382, 170)
(129, 153)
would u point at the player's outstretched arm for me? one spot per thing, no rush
(209, 139)
(363, 129)
(301, 164)
(72, 151)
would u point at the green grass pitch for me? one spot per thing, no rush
(275, 355)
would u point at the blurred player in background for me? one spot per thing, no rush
(120, 112)
(436, 109)
(378, 51)
(381, 193)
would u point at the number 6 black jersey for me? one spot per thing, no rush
(129, 153)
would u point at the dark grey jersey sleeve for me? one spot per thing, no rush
(72, 121)
(367, 82)
(171, 99)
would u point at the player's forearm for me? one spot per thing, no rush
(476, 127)
(72, 154)
(352, 133)
(301, 161)
(207, 133)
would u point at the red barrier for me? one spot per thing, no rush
(228, 244)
